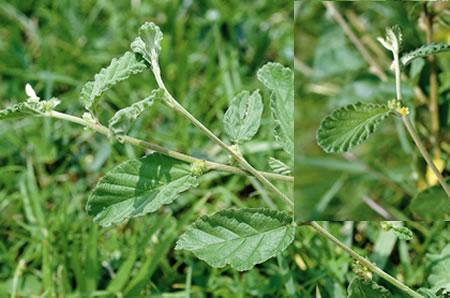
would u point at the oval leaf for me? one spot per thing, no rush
(431, 204)
(359, 288)
(349, 126)
(243, 117)
(280, 80)
(137, 187)
(120, 69)
(239, 237)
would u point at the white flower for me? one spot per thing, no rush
(31, 93)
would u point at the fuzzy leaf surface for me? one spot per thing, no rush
(279, 167)
(241, 238)
(349, 126)
(118, 70)
(16, 111)
(243, 117)
(137, 187)
(359, 288)
(28, 108)
(148, 43)
(280, 80)
(122, 120)
(425, 50)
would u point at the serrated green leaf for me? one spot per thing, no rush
(349, 126)
(280, 80)
(243, 117)
(148, 43)
(424, 51)
(359, 288)
(241, 238)
(439, 278)
(137, 187)
(118, 70)
(431, 204)
(122, 120)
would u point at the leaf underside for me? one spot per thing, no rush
(279, 167)
(349, 126)
(243, 117)
(118, 70)
(16, 111)
(239, 237)
(28, 108)
(423, 51)
(124, 118)
(280, 80)
(148, 43)
(137, 187)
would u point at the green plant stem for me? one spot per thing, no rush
(175, 154)
(371, 266)
(425, 154)
(398, 89)
(412, 132)
(173, 103)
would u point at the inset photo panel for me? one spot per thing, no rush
(372, 117)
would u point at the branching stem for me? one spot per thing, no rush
(154, 147)
(245, 165)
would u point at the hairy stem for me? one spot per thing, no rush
(371, 266)
(398, 90)
(425, 154)
(154, 147)
(412, 132)
(173, 103)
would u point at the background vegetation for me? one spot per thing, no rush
(378, 179)
(421, 262)
(211, 50)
